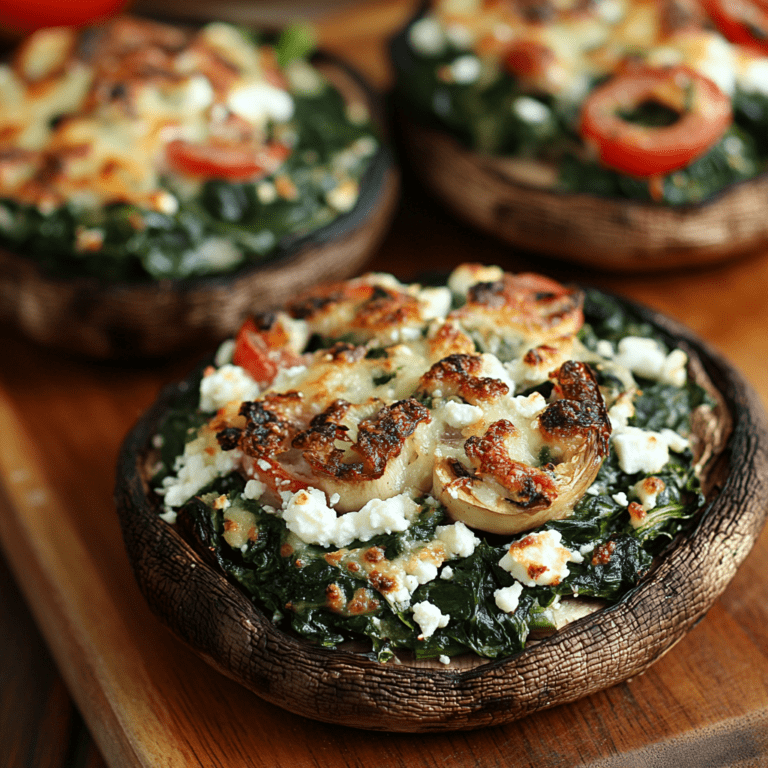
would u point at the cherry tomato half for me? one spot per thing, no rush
(263, 351)
(644, 151)
(30, 15)
(744, 22)
(231, 162)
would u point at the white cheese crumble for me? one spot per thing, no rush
(226, 384)
(423, 570)
(530, 110)
(640, 450)
(254, 489)
(645, 357)
(621, 412)
(461, 415)
(647, 491)
(307, 514)
(258, 102)
(508, 598)
(434, 302)
(443, 659)
(539, 559)
(458, 540)
(429, 618)
(201, 463)
(426, 36)
(446, 573)
(621, 498)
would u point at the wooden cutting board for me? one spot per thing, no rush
(148, 701)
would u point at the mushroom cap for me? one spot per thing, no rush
(345, 686)
(122, 319)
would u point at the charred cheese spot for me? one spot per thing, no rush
(580, 410)
(459, 375)
(525, 486)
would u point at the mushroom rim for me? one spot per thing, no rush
(687, 579)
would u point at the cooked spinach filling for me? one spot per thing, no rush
(219, 225)
(484, 116)
(320, 594)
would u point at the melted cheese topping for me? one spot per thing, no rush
(87, 117)
(401, 407)
(408, 404)
(563, 47)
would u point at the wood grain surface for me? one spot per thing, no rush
(148, 701)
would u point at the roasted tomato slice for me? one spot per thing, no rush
(744, 22)
(703, 115)
(27, 17)
(262, 349)
(221, 160)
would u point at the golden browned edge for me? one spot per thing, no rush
(102, 320)
(513, 200)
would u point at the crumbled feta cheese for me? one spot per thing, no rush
(639, 450)
(213, 254)
(604, 348)
(225, 385)
(423, 570)
(493, 368)
(530, 110)
(621, 412)
(426, 37)
(508, 598)
(529, 407)
(645, 357)
(676, 443)
(539, 559)
(465, 69)
(446, 573)
(620, 498)
(429, 618)
(443, 659)
(435, 302)
(458, 540)
(461, 415)
(647, 491)
(460, 35)
(266, 192)
(753, 77)
(343, 197)
(202, 461)
(260, 101)
(254, 489)
(307, 514)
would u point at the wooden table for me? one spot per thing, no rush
(147, 700)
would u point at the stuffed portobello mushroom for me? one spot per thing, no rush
(405, 507)
(155, 166)
(628, 134)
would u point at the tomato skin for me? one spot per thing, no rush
(263, 352)
(744, 22)
(645, 151)
(37, 14)
(231, 162)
